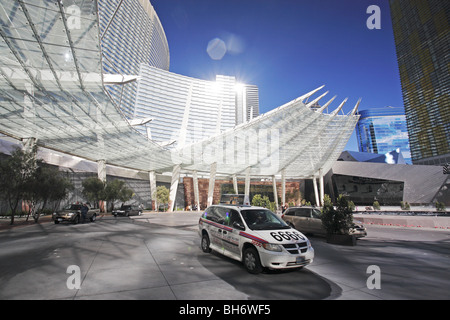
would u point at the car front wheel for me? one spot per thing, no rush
(251, 261)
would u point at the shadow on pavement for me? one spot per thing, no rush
(271, 284)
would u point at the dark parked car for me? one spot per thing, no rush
(72, 213)
(127, 210)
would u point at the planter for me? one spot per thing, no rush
(342, 239)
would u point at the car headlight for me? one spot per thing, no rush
(272, 247)
(309, 244)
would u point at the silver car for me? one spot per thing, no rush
(307, 220)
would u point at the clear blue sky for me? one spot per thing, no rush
(288, 47)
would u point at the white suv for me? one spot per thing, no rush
(255, 236)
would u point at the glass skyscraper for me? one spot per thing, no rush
(131, 34)
(422, 38)
(184, 109)
(383, 130)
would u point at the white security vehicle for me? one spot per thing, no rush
(255, 236)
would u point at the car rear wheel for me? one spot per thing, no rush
(251, 261)
(205, 243)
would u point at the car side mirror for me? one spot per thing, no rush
(238, 225)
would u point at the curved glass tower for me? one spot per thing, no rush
(131, 35)
(185, 109)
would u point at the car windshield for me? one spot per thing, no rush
(73, 207)
(263, 219)
(316, 214)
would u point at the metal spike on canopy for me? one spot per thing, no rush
(312, 103)
(335, 112)
(326, 105)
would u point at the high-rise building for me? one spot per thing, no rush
(134, 44)
(383, 130)
(252, 101)
(72, 69)
(131, 35)
(422, 38)
(184, 109)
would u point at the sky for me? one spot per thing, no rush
(287, 48)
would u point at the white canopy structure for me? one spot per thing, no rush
(52, 90)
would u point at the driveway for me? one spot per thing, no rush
(158, 256)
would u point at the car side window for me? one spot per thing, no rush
(228, 216)
(233, 216)
(304, 212)
(216, 214)
(210, 214)
(316, 214)
(289, 212)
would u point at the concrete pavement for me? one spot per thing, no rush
(158, 256)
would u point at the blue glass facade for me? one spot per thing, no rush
(383, 130)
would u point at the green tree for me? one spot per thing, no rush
(351, 205)
(376, 205)
(260, 201)
(117, 190)
(16, 172)
(337, 220)
(26, 178)
(47, 185)
(263, 201)
(162, 195)
(440, 206)
(93, 189)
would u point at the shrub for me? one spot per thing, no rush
(376, 205)
(440, 206)
(405, 205)
(339, 220)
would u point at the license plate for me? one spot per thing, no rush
(300, 260)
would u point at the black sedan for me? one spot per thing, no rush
(127, 210)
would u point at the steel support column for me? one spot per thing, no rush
(275, 194)
(212, 181)
(174, 186)
(152, 179)
(316, 192)
(196, 192)
(283, 187)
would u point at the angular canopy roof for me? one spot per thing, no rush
(52, 89)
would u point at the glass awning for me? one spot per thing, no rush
(51, 86)
(52, 89)
(293, 139)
